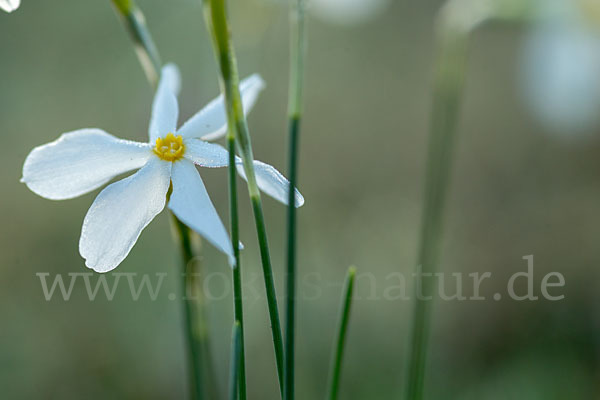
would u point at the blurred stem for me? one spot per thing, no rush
(195, 317)
(457, 21)
(216, 19)
(336, 361)
(201, 373)
(297, 52)
(142, 40)
(236, 353)
(297, 55)
(238, 309)
(448, 87)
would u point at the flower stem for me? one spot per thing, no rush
(238, 310)
(201, 373)
(236, 353)
(196, 328)
(336, 361)
(290, 299)
(297, 51)
(457, 21)
(142, 40)
(448, 85)
(216, 19)
(269, 286)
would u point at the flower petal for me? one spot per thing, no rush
(79, 162)
(191, 204)
(172, 77)
(206, 154)
(120, 213)
(164, 108)
(268, 179)
(271, 181)
(211, 122)
(9, 5)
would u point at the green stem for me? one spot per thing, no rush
(297, 51)
(142, 40)
(237, 271)
(192, 307)
(269, 287)
(297, 55)
(216, 18)
(336, 361)
(290, 320)
(458, 19)
(236, 355)
(201, 373)
(448, 85)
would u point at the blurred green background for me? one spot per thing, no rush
(519, 188)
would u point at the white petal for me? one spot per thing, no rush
(164, 108)
(206, 154)
(79, 162)
(271, 181)
(120, 213)
(172, 77)
(211, 122)
(10, 5)
(191, 204)
(268, 179)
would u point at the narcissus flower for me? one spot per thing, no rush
(81, 161)
(9, 5)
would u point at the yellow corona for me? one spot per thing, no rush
(170, 148)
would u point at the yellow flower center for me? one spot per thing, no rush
(170, 148)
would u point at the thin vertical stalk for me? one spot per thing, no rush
(290, 299)
(297, 56)
(297, 52)
(458, 19)
(216, 19)
(195, 326)
(236, 352)
(337, 356)
(145, 48)
(238, 307)
(201, 374)
(448, 86)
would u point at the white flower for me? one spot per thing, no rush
(10, 5)
(81, 161)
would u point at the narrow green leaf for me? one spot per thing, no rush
(238, 307)
(336, 362)
(234, 367)
(216, 20)
(295, 100)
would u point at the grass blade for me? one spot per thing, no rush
(216, 19)
(336, 362)
(297, 51)
(236, 353)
